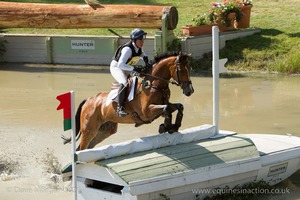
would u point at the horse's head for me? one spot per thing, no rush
(181, 73)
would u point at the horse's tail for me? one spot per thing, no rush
(77, 116)
(77, 122)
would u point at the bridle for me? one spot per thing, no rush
(181, 83)
(174, 82)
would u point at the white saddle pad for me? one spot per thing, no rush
(114, 93)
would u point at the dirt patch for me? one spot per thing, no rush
(8, 168)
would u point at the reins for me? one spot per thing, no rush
(168, 81)
(174, 82)
(157, 77)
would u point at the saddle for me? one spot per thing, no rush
(130, 90)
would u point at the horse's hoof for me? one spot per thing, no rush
(174, 129)
(162, 128)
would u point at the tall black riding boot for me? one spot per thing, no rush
(120, 100)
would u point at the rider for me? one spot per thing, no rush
(123, 63)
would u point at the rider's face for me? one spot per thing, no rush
(139, 43)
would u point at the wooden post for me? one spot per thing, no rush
(65, 16)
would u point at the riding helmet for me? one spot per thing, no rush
(137, 34)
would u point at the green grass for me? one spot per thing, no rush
(276, 48)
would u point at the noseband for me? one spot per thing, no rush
(179, 82)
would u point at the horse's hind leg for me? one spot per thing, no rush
(105, 130)
(89, 130)
(87, 136)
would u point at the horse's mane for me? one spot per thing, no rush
(160, 57)
(167, 54)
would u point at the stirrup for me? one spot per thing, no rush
(121, 112)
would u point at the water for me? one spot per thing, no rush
(30, 126)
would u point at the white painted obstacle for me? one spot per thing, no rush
(180, 165)
(149, 143)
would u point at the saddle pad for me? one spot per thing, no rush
(114, 93)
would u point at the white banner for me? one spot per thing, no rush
(83, 44)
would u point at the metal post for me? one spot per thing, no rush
(74, 179)
(215, 70)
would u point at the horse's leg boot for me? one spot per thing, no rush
(120, 100)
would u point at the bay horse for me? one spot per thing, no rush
(95, 120)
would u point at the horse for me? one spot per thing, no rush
(95, 120)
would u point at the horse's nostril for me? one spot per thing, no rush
(188, 94)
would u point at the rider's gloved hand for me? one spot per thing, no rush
(146, 60)
(138, 68)
(148, 66)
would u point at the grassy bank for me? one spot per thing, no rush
(276, 48)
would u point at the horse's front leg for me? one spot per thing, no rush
(168, 126)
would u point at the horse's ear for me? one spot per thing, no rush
(177, 60)
(186, 56)
(182, 57)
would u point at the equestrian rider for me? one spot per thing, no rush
(123, 63)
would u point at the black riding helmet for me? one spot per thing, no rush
(137, 34)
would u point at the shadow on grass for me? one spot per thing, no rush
(271, 32)
(294, 34)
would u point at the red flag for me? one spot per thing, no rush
(65, 104)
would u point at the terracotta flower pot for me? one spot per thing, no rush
(232, 26)
(196, 30)
(245, 20)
